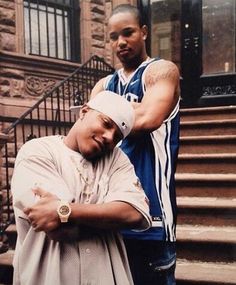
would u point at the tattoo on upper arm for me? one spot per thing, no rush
(161, 70)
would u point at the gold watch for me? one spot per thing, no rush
(64, 211)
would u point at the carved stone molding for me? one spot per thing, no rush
(17, 87)
(36, 86)
(219, 90)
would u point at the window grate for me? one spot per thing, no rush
(50, 27)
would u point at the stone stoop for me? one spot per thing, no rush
(205, 273)
(208, 113)
(208, 144)
(206, 197)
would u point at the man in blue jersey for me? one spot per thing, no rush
(153, 87)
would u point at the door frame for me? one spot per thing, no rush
(196, 89)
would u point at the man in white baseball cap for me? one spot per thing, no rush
(110, 119)
(115, 107)
(84, 190)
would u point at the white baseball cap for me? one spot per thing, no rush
(115, 107)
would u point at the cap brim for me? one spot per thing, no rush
(75, 109)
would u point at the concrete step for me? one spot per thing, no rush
(206, 202)
(207, 144)
(3, 196)
(12, 149)
(10, 162)
(222, 163)
(206, 243)
(206, 234)
(206, 185)
(206, 252)
(7, 258)
(208, 113)
(205, 273)
(4, 245)
(11, 234)
(4, 173)
(210, 128)
(206, 211)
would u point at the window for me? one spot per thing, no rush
(52, 28)
(219, 36)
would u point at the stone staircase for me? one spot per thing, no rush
(206, 198)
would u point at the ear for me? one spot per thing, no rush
(144, 30)
(83, 111)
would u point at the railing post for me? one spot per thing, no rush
(3, 140)
(3, 244)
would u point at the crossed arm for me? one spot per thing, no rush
(42, 213)
(112, 215)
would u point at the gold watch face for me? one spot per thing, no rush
(64, 210)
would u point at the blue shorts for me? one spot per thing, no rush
(151, 262)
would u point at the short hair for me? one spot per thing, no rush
(123, 8)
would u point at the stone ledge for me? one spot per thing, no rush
(7, 258)
(206, 203)
(205, 272)
(206, 234)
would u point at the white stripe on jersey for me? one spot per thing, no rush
(163, 157)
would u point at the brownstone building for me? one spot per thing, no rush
(52, 52)
(42, 42)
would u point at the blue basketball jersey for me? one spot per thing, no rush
(154, 158)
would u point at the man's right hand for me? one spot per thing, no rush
(43, 215)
